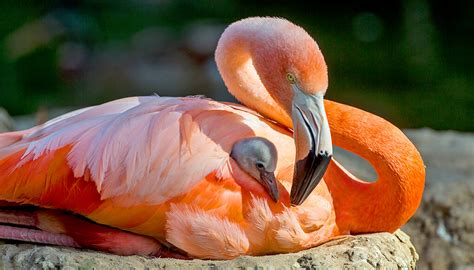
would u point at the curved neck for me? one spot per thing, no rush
(388, 203)
(234, 58)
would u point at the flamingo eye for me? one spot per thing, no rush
(259, 165)
(291, 78)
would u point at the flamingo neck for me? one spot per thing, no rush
(388, 203)
(235, 55)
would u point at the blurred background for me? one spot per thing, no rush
(409, 61)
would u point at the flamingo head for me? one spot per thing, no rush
(258, 156)
(292, 69)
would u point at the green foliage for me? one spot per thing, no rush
(410, 61)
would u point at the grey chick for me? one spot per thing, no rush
(258, 157)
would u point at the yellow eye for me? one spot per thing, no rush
(291, 78)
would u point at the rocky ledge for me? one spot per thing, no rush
(381, 250)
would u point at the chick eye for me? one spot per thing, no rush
(259, 165)
(291, 78)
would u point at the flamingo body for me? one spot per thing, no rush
(207, 209)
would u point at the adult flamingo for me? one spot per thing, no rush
(166, 170)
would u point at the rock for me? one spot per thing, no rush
(381, 250)
(6, 122)
(443, 227)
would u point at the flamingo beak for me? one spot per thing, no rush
(268, 180)
(313, 144)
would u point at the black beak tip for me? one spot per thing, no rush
(296, 201)
(296, 196)
(309, 173)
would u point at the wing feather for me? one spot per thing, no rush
(146, 149)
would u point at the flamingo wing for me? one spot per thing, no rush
(143, 150)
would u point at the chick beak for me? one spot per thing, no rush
(268, 180)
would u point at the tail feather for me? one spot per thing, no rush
(47, 182)
(95, 236)
(64, 229)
